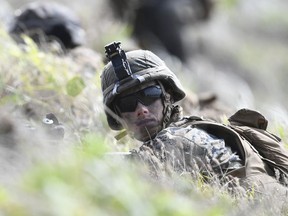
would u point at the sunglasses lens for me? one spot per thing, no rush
(127, 103)
(146, 96)
(149, 95)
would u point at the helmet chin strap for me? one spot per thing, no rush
(171, 112)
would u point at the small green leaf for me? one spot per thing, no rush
(75, 86)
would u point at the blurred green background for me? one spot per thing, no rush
(239, 53)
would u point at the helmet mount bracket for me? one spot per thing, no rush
(119, 60)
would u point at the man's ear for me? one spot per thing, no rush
(169, 96)
(167, 93)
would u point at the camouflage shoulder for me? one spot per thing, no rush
(186, 120)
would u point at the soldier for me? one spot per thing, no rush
(56, 28)
(48, 22)
(139, 94)
(159, 25)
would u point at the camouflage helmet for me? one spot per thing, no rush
(145, 67)
(53, 19)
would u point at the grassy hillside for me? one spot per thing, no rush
(43, 177)
(40, 176)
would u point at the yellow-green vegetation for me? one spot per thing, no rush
(76, 178)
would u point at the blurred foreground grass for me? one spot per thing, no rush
(75, 177)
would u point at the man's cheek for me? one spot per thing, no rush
(127, 118)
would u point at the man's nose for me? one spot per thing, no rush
(141, 110)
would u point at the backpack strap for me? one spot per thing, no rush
(186, 120)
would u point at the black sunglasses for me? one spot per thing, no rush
(147, 96)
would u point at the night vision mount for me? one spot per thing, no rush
(119, 60)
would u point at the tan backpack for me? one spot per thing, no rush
(252, 126)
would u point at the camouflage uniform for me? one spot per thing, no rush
(188, 149)
(183, 147)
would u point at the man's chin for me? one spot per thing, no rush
(146, 134)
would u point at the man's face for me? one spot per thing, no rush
(141, 108)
